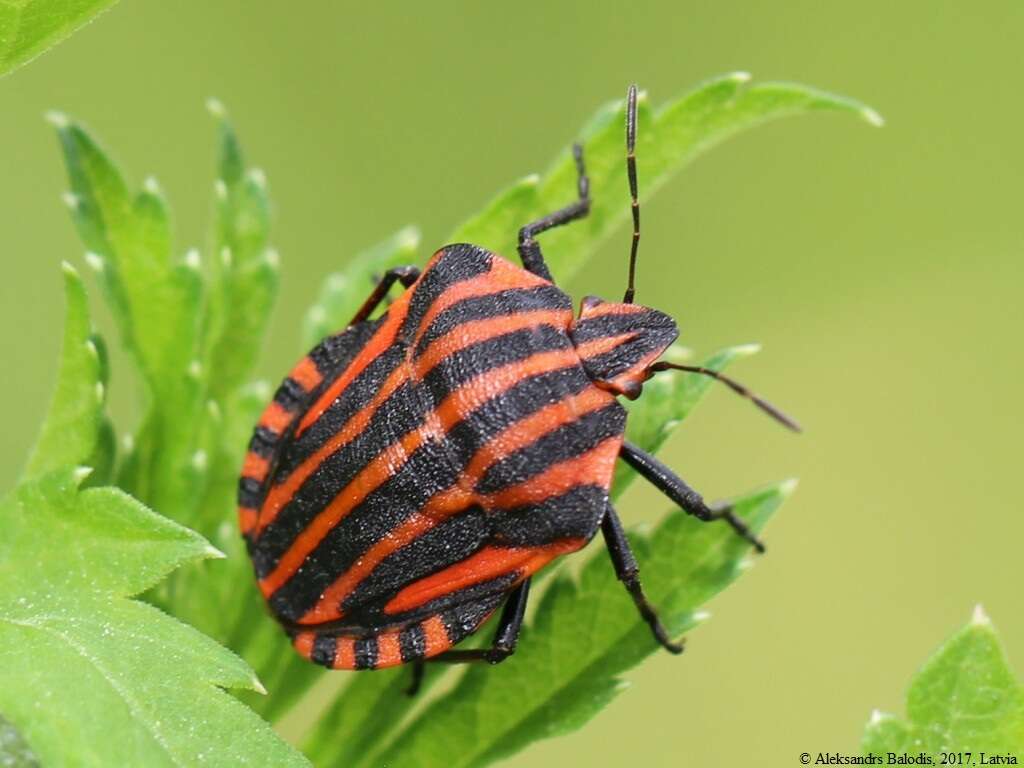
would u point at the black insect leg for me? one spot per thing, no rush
(504, 644)
(404, 275)
(417, 678)
(377, 278)
(529, 248)
(629, 574)
(669, 483)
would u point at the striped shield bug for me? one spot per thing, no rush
(413, 471)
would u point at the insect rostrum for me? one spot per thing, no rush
(414, 470)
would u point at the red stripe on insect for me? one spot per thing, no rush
(364, 483)
(596, 466)
(476, 331)
(489, 563)
(482, 285)
(535, 426)
(345, 653)
(435, 636)
(275, 417)
(501, 276)
(389, 650)
(604, 344)
(378, 343)
(306, 374)
(279, 495)
(478, 390)
(442, 506)
(247, 519)
(375, 473)
(303, 643)
(596, 308)
(255, 466)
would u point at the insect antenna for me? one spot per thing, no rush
(635, 204)
(735, 386)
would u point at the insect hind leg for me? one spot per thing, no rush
(502, 646)
(529, 248)
(505, 639)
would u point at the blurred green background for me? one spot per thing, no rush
(880, 268)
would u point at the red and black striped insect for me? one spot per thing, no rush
(415, 470)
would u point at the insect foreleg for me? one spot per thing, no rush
(673, 486)
(404, 275)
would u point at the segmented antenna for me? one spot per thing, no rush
(735, 386)
(631, 172)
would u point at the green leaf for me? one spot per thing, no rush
(195, 349)
(667, 141)
(245, 269)
(217, 596)
(71, 432)
(343, 737)
(113, 681)
(14, 752)
(155, 299)
(195, 346)
(964, 699)
(29, 27)
(366, 717)
(343, 293)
